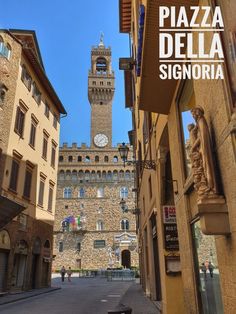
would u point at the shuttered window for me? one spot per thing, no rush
(32, 134)
(27, 184)
(41, 192)
(50, 198)
(53, 155)
(45, 146)
(14, 175)
(20, 120)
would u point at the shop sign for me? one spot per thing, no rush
(171, 237)
(169, 214)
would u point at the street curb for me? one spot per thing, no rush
(29, 296)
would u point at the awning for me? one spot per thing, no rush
(9, 209)
(155, 94)
(125, 16)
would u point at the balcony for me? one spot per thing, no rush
(9, 209)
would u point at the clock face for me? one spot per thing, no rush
(100, 140)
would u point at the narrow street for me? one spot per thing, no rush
(83, 296)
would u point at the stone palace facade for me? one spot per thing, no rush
(91, 231)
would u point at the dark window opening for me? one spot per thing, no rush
(27, 184)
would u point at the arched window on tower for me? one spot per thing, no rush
(109, 175)
(68, 175)
(99, 225)
(127, 175)
(87, 159)
(87, 175)
(124, 192)
(81, 193)
(81, 175)
(121, 175)
(61, 175)
(101, 65)
(106, 158)
(74, 175)
(104, 175)
(115, 175)
(100, 192)
(93, 175)
(115, 159)
(99, 175)
(67, 192)
(124, 224)
(96, 158)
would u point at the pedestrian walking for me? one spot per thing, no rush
(69, 273)
(211, 269)
(204, 269)
(63, 272)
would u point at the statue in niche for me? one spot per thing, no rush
(201, 156)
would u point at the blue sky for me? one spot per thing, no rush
(66, 30)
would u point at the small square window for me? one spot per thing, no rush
(98, 244)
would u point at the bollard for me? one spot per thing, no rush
(121, 309)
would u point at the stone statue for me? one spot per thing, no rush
(201, 155)
(110, 262)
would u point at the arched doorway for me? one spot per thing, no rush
(35, 263)
(5, 246)
(19, 265)
(46, 264)
(125, 259)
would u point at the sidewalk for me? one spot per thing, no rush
(140, 304)
(13, 297)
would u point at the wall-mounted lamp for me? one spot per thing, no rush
(125, 208)
(147, 164)
(175, 185)
(126, 64)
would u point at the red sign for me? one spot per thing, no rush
(169, 214)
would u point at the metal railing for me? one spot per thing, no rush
(120, 275)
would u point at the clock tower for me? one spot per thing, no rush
(101, 89)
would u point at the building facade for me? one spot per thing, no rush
(187, 127)
(29, 136)
(91, 231)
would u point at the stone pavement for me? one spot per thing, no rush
(17, 296)
(133, 297)
(140, 304)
